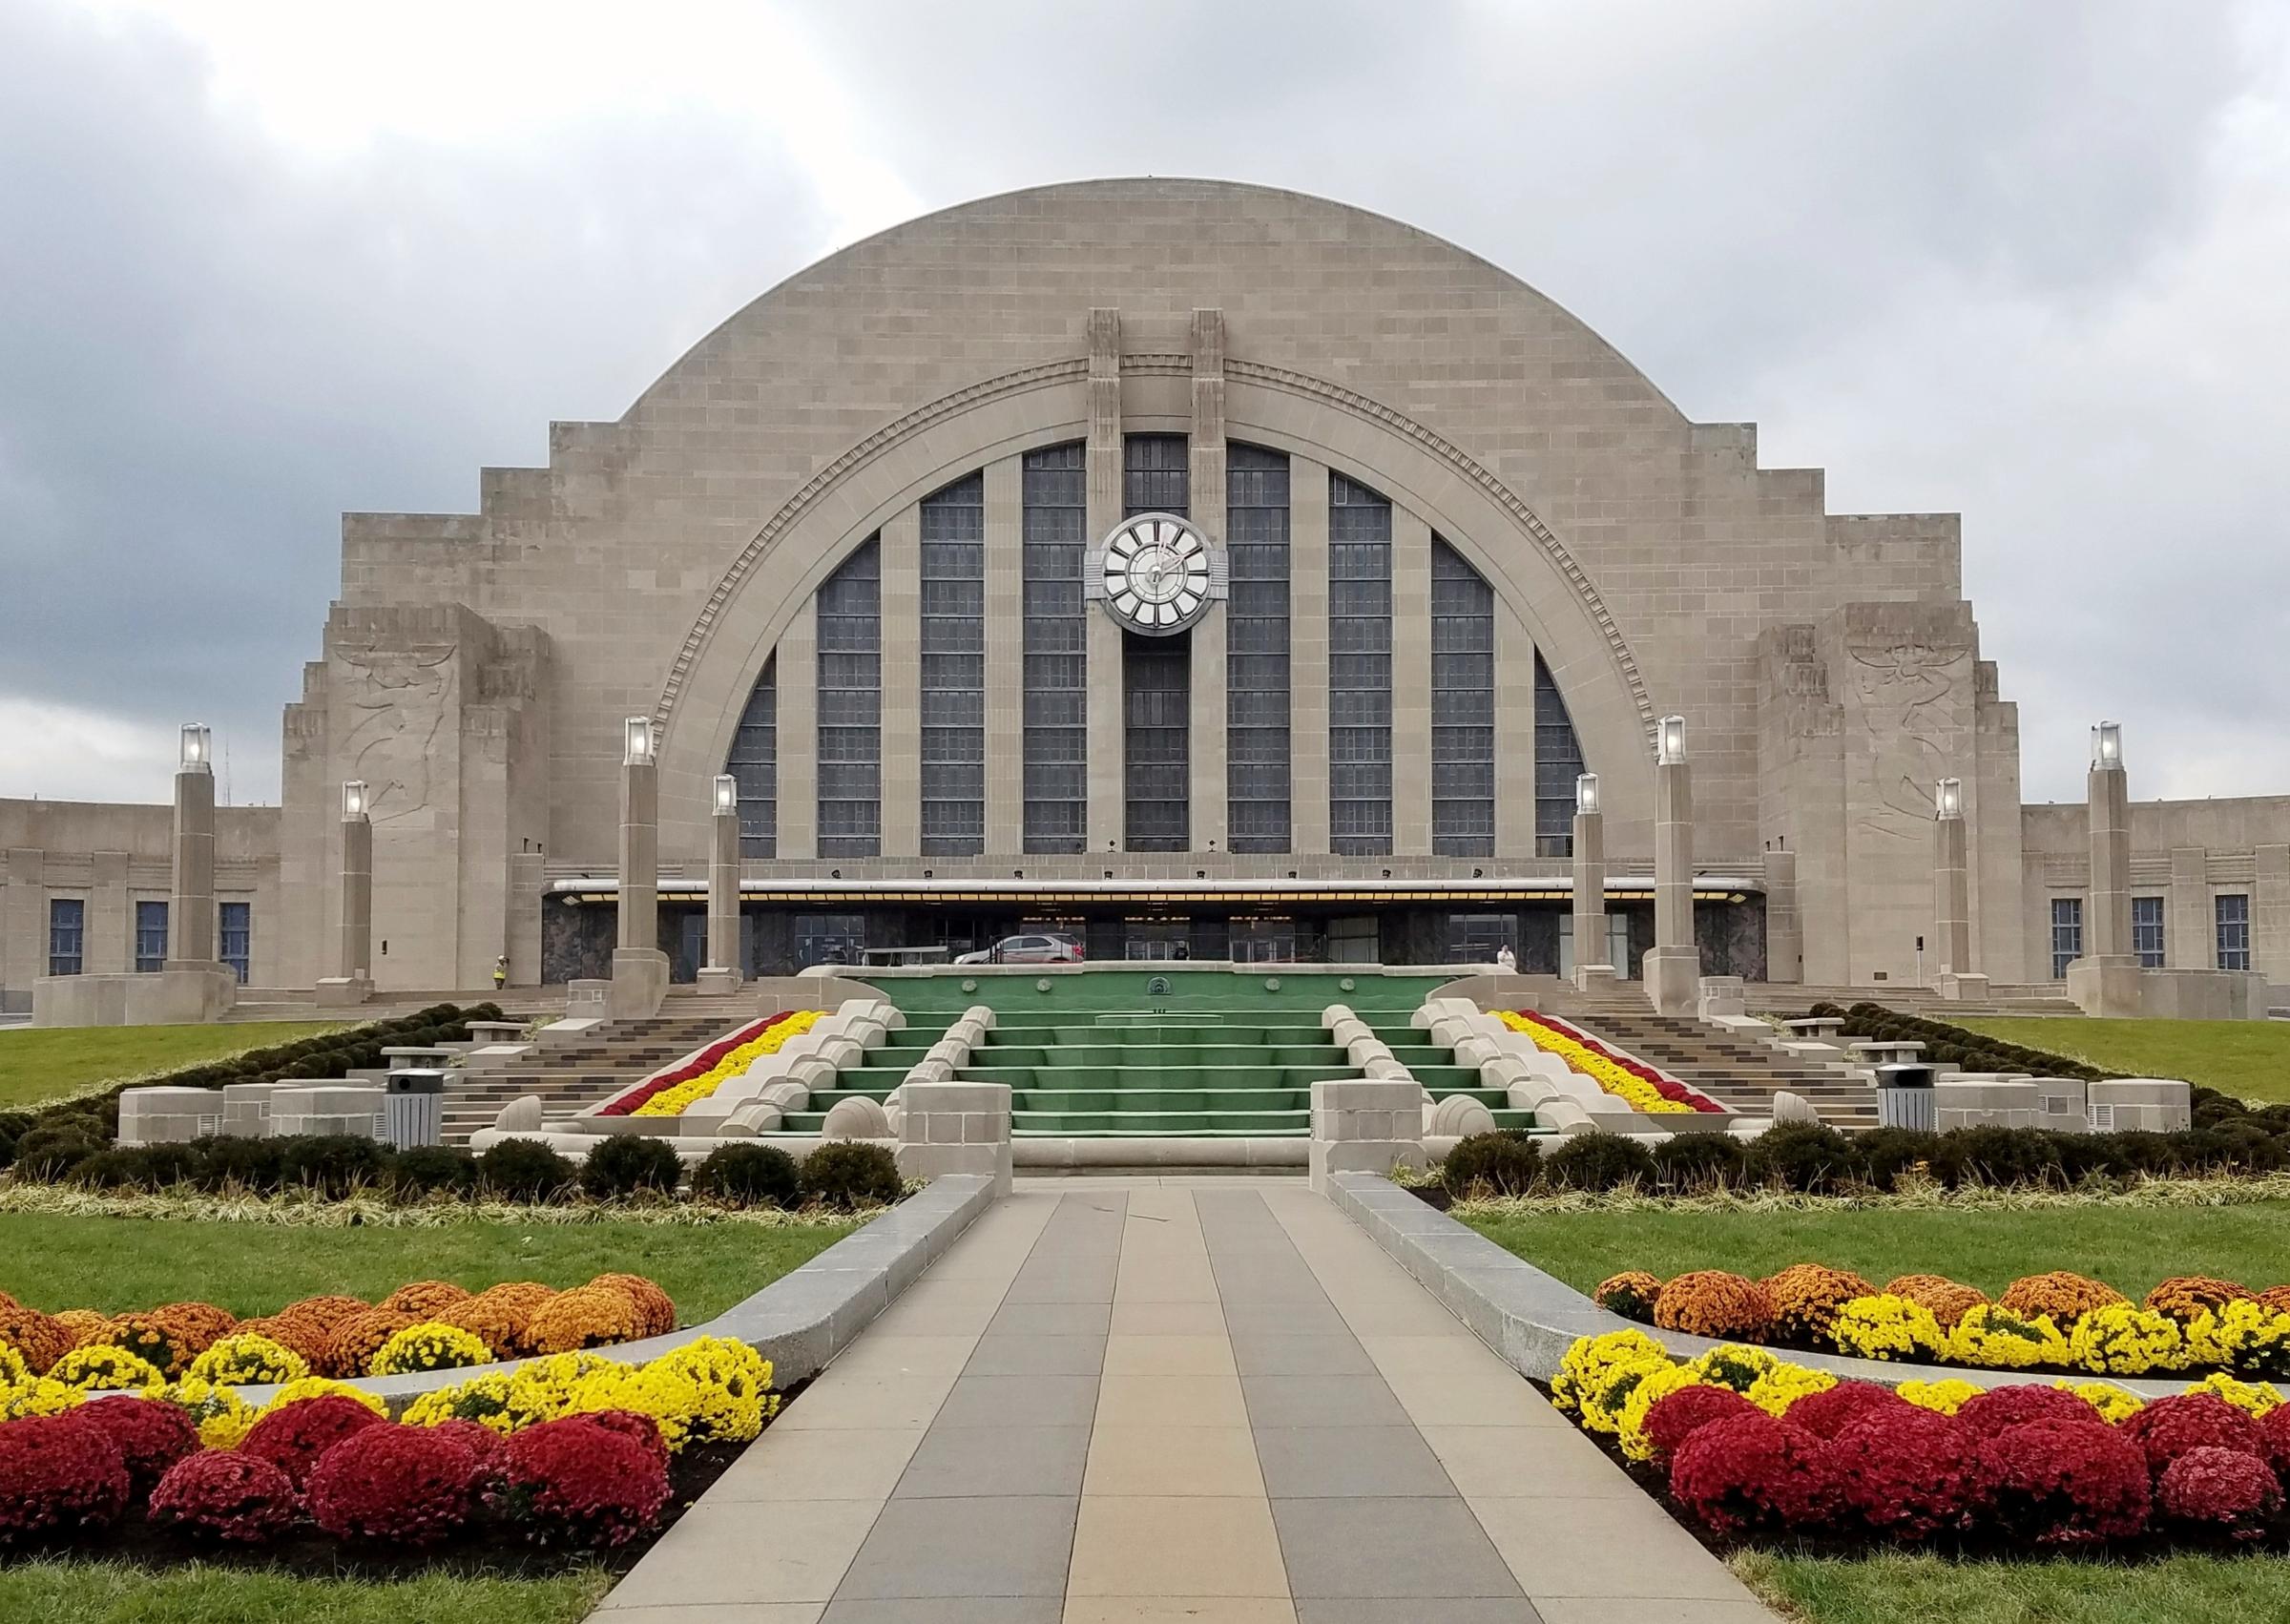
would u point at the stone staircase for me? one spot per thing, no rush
(1735, 1071)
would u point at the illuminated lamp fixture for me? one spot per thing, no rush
(727, 794)
(1947, 798)
(353, 799)
(1585, 793)
(1670, 741)
(2107, 744)
(198, 746)
(636, 742)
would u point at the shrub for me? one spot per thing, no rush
(2182, 1296)
(1809, 1157)
(1949, 1301)
(429, 1346)
(2066, 1481)
(2061, 1296)
(2223, 1491)
(847, 1174)
(226, 1495)
(1491, 1164)
(1752, 1471)
(589, 1316)
(1677, 1416)
(409, 1485)
(2119, 1340)
(1598, 1160)
(749, 1175)
(47, 1153)
(1632, 1294)
(630, 1165)
(1907, 1472)
(137, 1167)
(58, 1473)
(295, 1436)
(334, 1165)
(165, 1341)
(574, 1482)
(501, 1315)
(1825, 1414)
(525, 1170)
(2168, 1429)
(1994, 1338)
(256, 1165)
(152, 1435)
(425, 1298)
(654, 1307)
(358, 1338)
(1710, 1302)
(488, 1447)
(1889, 1153)
(1701, 1161)
(428, 1169)
(1996, 1155)
(1807, 1295)
(2000, 1409)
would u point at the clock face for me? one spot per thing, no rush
(1157, 572)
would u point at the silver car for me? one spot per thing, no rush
(1047, 947)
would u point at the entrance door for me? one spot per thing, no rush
(1155, 940)
(1617, 945)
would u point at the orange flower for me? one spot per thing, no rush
(1806, 1297)
(654, 1306)
(587, 1316)
(2064, 1297)
(298, 1334)
(1946, 1300)
(1710, 1302)
(425, 1298)
(361, 1336)
(35, 1335)
(84, 1326)
(2182, 1296)
(1632, 1294)
(500, 1316)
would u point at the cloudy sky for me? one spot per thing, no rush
(260, 264)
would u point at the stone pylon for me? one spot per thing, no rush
(639, 968)
(1673, 969)
(724, 971)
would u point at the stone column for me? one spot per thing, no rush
(1370, 1125)
(639, 968)
(724, 969)
(353, 979)
(191, 939)
(1672, 968)
(1591, 966)
(1101, 638)
(1784, 925)
(2106, 980)
(1952, 896)
(1209, 720)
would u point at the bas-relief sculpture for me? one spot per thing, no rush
(399, 700)
(1909, 701)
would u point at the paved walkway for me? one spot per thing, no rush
(1146, 1401)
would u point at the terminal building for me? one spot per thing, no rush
(1203, 571)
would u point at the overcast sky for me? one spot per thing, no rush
(261, 264)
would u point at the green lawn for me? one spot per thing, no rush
(44, 1063)
(2248, 1059)
(1919, 1590)
(2130, 1247)
(114, 1264)
(111, 1593)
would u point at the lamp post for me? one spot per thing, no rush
(639, 968)
(1592, 960)
(1673, 969)
(352, 980)
(192, 943)
(723, 969)
(1952, 894)
(2105, 979)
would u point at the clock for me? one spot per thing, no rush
(1156, 573)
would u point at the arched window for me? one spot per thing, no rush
(1558, 763)
(1359, 670)
(1463, 707)
(954, 669)
(1257, 679)
(851, 706)
(754, 762)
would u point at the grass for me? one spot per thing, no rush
(38, 1064)
(2130, 1247)
(114, 1264)
(2248, 1059)
(117, 1592)
(1893, 1589)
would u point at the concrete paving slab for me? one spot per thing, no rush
(1161, 1461)
(1020, 1401)
(1000, 1355)
(858, 1463)
(965, 1462)
(941, 1549)
(1175, 1544)
(1325, 1463)
(1366, 1549)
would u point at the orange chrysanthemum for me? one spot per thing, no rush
(1710, 1302)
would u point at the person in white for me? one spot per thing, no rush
(1503, 960)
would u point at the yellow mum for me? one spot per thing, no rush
(1885, 1326)
(222, 1417)
(431, 1347)
(105, 1369)
(1631, 1421)
(1946, 1395)
(2120, 1340)
(1782, 1387)
(1590, 1360)
(2252, 1398)
(1994, 1337)
(2112, 1402)
(42, 1395)
(246, 1360)
(676, 1101)
(317, 1387)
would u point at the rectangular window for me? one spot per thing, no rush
(829, 938)
(1257, 677)
(851, 706)
(2067, 934)
(2147, 932)
(1473, 938)
(2233, 912)
(235, 924)
(67, 934)
(1157, 475)
(1056, 771)
(1463, 707)
(1557, 765)
(755, 763)
(151, 937)
(953, 677)
(1359, 670)
(1157, 681)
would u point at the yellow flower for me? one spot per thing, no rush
(1886, 1326)
(1601, 1406)
(1994, 1337)
(429, 1347)
(317, 1386)
(676, 1100)
(1946, 1395)
(486, 1400)
(13, 1372)
(2245, 1334)
(2120, 1340)
(1650, 1391)
(42, 1395)
(222, 1417)
(1624, 1083)
(101, 1368)
(1782, 1387)
(246, 1360)
(1734, 1364)
(1591, 1360)
(2112, 1402)
(2252, 1398)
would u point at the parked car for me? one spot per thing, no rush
(1047, 947)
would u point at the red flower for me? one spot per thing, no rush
(1676, 1417)
(1907, 1471)
(488, 1447)
(1752, 1471)
(225, 1494)
(152, 1436)
(2168, 1428)
(2274, 1431)
(2222, 1490)
(2067, 1482)
(295, 1439)
(1827, 1413)
(574, 1482)
(632, 1424)
(407, 1485)
(58, 1471)
(2001, 1409)
(684, 1070)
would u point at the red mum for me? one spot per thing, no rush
(58, 1473)
(573, 1482)
(1998, 1409)
(2221, 1491)
(405, 1484)
(1674, 1417)
(295, 1439)
(1907, 1472)
(1752, 1471)
(225, 1494)
(488, 1447)
(152, 1436)
(2274, 1429)
(631, 1424)
(2168, 1428)
(2067, 1482)
(1827, 1413)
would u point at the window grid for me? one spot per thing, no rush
(1463, 707)
(1157, 475)
(953, 669)
(1258, 775)
(2147, 932)
(1557, 765)
(151, 937)
(67, 934)
(235, 924)
(1055, 770)
(2232, 911)
(2067, 934)
(1156, 682)
(851, 706)
(1359, 670)
(755, 763)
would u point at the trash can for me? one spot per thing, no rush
(413, 1110)
(1904, 1096)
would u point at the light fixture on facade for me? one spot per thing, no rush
(198, 746)
(2107, 744)
(1947, 798)
(1670, 741)
(353, 799)
(1585, 793)
(727, 795)
(636, 741)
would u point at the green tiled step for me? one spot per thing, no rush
(1324, 1055)
(1180, 1123)
(1065, 1029)
(1147, 1076)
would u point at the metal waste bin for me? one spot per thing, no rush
(1904, 1096)
(413, 1110)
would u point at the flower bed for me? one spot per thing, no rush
(1634, 1081)
(425, 1325)
(675, 1089)
(1747, 1445)
(2052, 1321)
